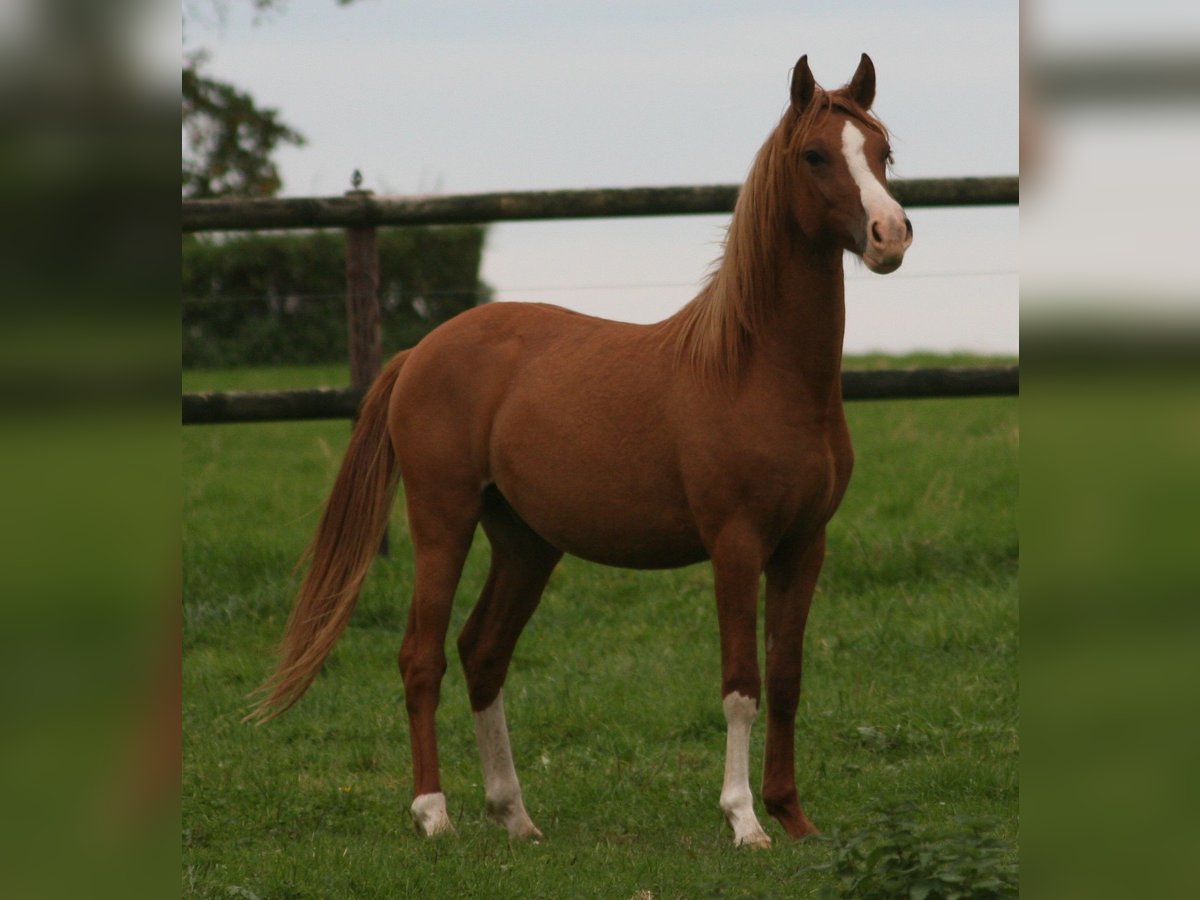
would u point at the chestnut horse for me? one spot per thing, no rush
(717, 434)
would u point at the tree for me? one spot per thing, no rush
(228, 139)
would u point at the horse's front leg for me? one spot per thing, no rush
(791, 578)
(736, 569)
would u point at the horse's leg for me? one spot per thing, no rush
(442, 525)
(521, 565)
(736, 570)
(791, 578)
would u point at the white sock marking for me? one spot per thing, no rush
(736, 800)
(429, 813)
(500, 785)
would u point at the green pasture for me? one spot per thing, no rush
(908, 722)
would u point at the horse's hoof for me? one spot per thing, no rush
(521, 828)
(756, 840)
(511, 814)
(532, 835)
(430, 817)
(763, 843)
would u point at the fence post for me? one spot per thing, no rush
(364, 331)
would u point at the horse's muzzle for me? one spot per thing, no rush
(887, 240)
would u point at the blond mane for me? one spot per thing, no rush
(716, 330)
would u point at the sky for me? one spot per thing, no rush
(1108, 214)
(488, 96)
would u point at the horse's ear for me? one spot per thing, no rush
(862, 85)
(803, 85)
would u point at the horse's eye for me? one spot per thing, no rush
(815, 158)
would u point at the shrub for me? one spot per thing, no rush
(274, 299)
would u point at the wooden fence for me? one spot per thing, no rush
(341, 403)
(364, 209)
(361, 212)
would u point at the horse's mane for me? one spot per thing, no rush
(716, 330)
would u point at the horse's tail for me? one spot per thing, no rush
(345, 544)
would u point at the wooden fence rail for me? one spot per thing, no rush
(361, 212)
(362, 209)
(342, 403)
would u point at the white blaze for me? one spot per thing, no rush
(877, 202)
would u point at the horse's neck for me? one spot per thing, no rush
(802, 342)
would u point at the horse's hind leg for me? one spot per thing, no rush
(521, 565)
(442, 526)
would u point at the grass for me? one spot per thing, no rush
(910, 691)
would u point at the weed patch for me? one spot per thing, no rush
(898, 855)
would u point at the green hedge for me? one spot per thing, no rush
(280, 299)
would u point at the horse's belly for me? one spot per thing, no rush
(631, 522)
(631, 547)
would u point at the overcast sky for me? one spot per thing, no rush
(488, 96)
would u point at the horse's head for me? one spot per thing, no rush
(837, 156)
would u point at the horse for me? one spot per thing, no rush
(717, 434)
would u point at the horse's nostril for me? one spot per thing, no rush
(908, 228)
(875, 235)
